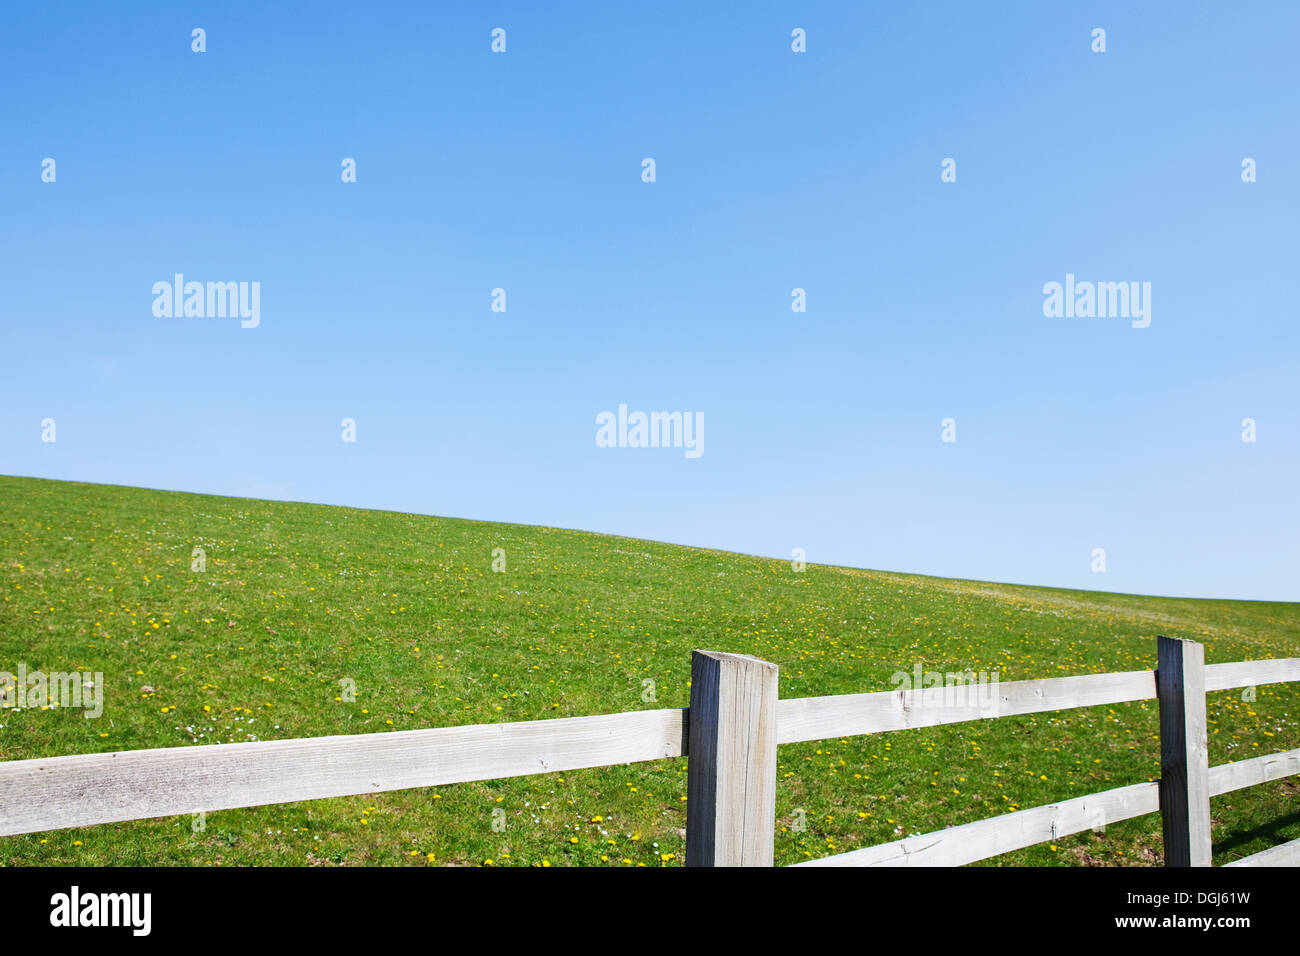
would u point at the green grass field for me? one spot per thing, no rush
(297, 597)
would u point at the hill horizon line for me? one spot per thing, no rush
(655, 541)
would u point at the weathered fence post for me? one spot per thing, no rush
(1184, 752)
(731, 762)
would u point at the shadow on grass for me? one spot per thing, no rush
(1271, 832)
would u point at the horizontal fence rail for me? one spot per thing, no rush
(1251, 673)
(739, 721)
(817, 718)
(58, 792)
(971, 842)
(1240, 774)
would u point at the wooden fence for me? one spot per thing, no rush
(730, 732)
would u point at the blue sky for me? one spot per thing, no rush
(774, 170)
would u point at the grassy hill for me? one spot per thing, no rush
(296, 598)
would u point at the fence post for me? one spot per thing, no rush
(731, 761)
(1184, 752)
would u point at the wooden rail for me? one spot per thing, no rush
(847, 715)
(982, 839)
(58, 792)
(730, 733)
(1182, 796)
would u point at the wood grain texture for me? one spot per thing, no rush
(1251, 673)
(57, 792)
(731, 774)
(970, 842)
(1227, 777)
(816, 718)
(1184, 752)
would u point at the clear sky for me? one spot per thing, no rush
(775, 170)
